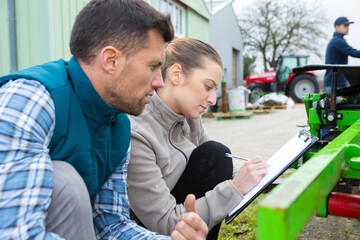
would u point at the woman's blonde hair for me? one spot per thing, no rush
(189, 53)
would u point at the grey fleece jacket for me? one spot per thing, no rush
(161, 143)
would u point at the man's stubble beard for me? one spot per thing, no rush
(124, 102)
(132, 107)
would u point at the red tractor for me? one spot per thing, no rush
(283, 80)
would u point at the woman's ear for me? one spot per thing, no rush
(111, 59)
(175, 74)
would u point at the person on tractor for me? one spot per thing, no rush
(337, 52)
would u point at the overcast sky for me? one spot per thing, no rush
(333, 9)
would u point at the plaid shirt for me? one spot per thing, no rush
(27, 121)
(111, 210)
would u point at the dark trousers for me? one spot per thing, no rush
(207, 167)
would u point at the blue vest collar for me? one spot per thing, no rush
(83, 88)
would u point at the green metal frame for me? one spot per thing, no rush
(284, 212)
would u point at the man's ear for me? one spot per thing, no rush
(111, 58)
(175, 74)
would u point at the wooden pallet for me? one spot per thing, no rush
(267, 107)
(222, 116)
(262, 111)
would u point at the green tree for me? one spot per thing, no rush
(249, 64)
(277, 27)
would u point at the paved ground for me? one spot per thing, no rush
(264, 134)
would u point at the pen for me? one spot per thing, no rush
(237, 157)
(234, 156)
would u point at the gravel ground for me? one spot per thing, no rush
(263, 134)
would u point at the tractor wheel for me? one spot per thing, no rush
(256, 92)
(302, 84)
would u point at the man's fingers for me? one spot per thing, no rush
(190, 203)
(175, 235)
(191, 226)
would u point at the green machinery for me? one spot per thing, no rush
(331, 166)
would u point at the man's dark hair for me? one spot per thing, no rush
(123, 24)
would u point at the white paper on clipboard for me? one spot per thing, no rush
(279, 162)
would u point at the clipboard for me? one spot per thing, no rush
(279, 162)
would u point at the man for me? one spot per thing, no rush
(337, 52)
(74, 112)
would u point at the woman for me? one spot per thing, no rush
(171, 152)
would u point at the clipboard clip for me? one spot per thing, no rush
(305, 135)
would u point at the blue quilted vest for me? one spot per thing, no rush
(89, 134)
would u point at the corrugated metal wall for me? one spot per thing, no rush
(4, 38)
(43, 29)
(65, 12)
(197, 26)
(196, 20)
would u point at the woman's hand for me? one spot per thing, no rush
(250, 174)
